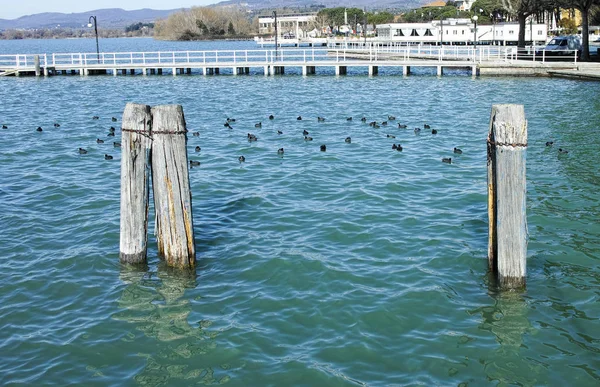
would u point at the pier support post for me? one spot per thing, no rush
(174, 70)
(405, 70)
(304, 71)
(36, 62)
(506, 154)
(114, 71)
(266, 70)
(440, 71)
(474, 71)
(135, 173)
(373, 70)
(341, 70)
(171, 187)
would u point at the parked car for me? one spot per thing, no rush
(562, 45)
(594, 46)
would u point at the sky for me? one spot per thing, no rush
(16, 9)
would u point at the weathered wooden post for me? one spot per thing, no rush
(171, 187)
(135, 172)
(36, 63)
(507, 239)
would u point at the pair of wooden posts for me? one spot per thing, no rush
(154, 142)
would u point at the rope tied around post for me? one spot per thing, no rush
(514, 144)
(152, 132)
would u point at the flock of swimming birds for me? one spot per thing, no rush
(229, 122)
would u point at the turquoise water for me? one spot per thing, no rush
(355, 266)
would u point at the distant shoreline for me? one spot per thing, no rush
(212, 38)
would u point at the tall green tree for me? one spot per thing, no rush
(335, 17)
(584, 6)
(380, 18)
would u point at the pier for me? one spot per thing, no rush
(496, 60)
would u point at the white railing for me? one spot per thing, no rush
(249, 58)
(540, 54)
(21, 60)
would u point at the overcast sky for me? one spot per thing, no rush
(16, 9)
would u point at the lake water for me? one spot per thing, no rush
(360, 265)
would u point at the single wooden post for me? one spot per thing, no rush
(507, 239)
(135, 173)
(171, 187)
(36, 63)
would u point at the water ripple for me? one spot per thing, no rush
(360, 265)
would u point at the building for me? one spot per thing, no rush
(460, 32)
(290, 26)
(464, 5)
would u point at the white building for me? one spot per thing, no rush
(288, 26)
(464, 5)
(460, 32)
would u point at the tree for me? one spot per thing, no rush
(522, 9)
(584, 7)
(203, 23)
(491, 8)
(336, 17)
(380, 18)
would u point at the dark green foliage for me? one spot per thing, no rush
(138, 26)
(434, 13)
(202, 27)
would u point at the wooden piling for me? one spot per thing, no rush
(135, 172)
(507, 239)
(171, 187)
(36, 63)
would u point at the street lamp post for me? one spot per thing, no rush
(276, 33)
(475, 17)
(95, 24)
(365, 29)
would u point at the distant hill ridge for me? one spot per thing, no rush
(120, 18)
(368, 4)
(107, 18)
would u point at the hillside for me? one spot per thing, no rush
(368, 4)
(107, 18)
(120, 18)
